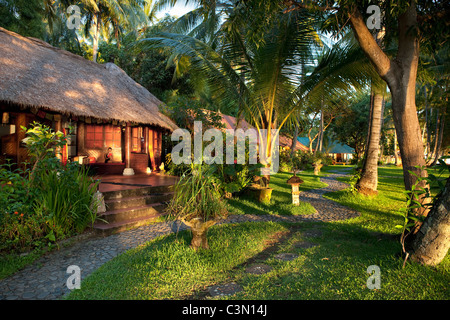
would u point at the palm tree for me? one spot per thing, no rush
(261, 80)
(262, 75)
(368, 181)
(101, 15)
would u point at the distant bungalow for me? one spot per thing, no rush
(340, 153)
(106, 108)
(230, 122)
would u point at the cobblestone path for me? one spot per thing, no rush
(46, 278)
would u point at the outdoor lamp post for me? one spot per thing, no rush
(295, 182)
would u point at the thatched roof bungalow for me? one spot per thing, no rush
(39, 82)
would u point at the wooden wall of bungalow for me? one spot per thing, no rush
(133, 145)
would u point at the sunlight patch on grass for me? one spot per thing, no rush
(281, 200)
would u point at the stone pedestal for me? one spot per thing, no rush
(98, 203)
(128, 172)
(296, 198)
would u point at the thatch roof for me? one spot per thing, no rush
(33, 74)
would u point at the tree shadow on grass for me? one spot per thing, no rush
(272, 246)
(280, 205)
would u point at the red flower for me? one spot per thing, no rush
(21, 214)
(15, 212)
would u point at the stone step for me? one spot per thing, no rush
(137, 192)
(106, 229)
(122, 203)
(133, 207)
(123, 214)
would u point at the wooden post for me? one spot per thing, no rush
(21, 152)
(128, 171)
(151, 149)
(146, 140)
(147, 151)
(58, 128)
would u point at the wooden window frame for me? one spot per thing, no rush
(137, 145)
(102, 136)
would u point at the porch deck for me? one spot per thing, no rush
(133, 201)
(121, 182)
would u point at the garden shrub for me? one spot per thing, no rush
(286, 162)
(49, 202)
(65, 197)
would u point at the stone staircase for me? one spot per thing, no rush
(130, 208)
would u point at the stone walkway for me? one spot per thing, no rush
(46, 278)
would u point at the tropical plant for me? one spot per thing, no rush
(49, 202)
(42, 143)
(259, 80)
(66, 196)
(197, 202)
(416, 246)
(103, 17)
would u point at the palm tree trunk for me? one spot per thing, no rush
(294, 139)
(427, 125)
(397, 159)
(320, 134)
(436, 134)
(439, 137)
(433, 239)
(96, 36)
(368, 182)
(321, 130)
(400, 75)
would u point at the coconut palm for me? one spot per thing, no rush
(346, 62)
(264, 78)
(103, 15)
(260, 80)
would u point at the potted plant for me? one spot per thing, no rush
(317, 166)
(197, 202)
(261, 190)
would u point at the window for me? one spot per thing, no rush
(137, 140)
(113, 137)
(102, 136)
(94, 137)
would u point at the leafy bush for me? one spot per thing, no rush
(66, 195)
(286, 162)
(176, 169)
(305, 160)
(197, 195)
(49, 202)
(233, 178)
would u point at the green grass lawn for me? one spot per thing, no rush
(11, 262)
(281, 200)
(336, 268)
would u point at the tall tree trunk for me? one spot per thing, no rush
(320, 134)
(321, 131)
(432, 242)
(427, 126)
(397, 160)
(309, 134)
(381, 156)
(436, 138)
(439, 137)
(116, 33)
(368, 182)
(294, 139)
(400, 75)
(366, 146)
(96, 36)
